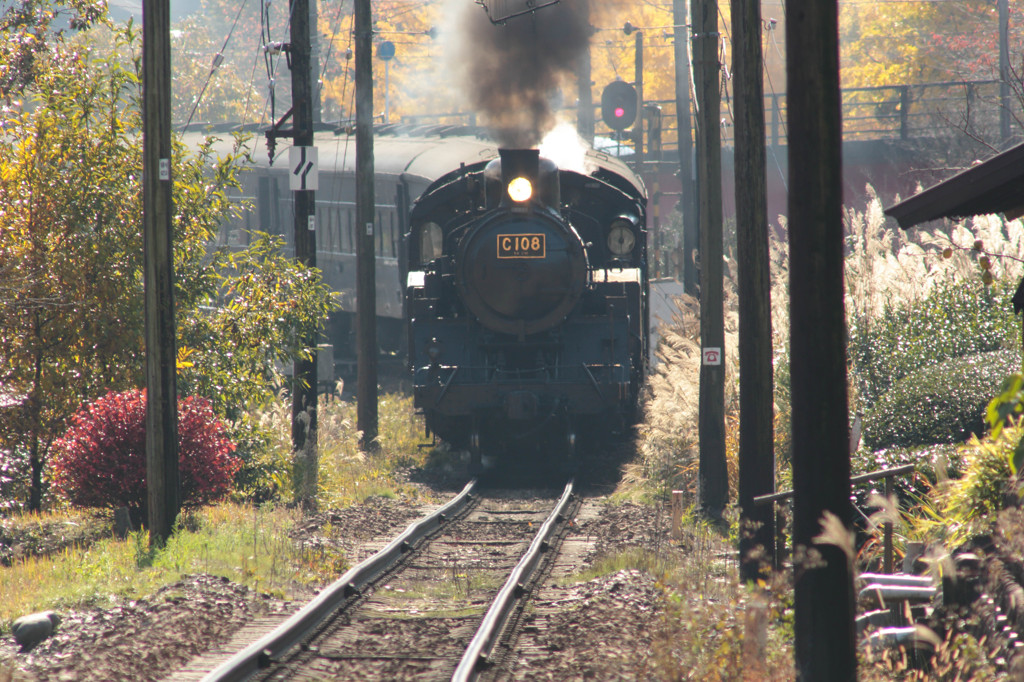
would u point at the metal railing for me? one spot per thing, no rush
(891, 112)
(887, 528)
(888, 112)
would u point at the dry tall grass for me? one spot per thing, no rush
(884, 266)
(347, 474)
(887, 264)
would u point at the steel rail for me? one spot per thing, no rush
(486, 636)
(261, 653)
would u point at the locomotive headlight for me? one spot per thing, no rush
(621, 238)
(520, 189)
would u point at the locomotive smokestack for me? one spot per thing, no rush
(510, 72)
(505, 178)
(519, 163)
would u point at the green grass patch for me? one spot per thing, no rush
(242, 542)
(246, 544)
(697, 561)
(634, 558)
(446, 585)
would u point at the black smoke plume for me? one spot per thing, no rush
(511, 71)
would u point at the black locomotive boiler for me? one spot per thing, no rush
(527, 302)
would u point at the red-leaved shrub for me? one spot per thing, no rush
(101, 460)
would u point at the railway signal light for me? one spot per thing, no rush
(618, 105)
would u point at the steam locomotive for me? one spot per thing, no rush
(527, 302)
(524, 317)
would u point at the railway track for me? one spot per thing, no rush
(431, 605)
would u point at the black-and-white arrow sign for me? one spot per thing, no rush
(303, 164)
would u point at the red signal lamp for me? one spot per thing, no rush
(618, 105)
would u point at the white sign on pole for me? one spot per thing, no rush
(712, 356)
(305, 173)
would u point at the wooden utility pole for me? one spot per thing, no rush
(584, 85)
(756, 456)
(304, 382)
(366, 286)
(687, 201)
(714, 477)
(824, 598)
(1004, 71)
(316, 86)
(163, 494)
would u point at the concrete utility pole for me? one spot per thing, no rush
(714, 476)
(823, 579)
(687, 201)
(304, 382)
(163, 494)
(366, 287)
(757, 456)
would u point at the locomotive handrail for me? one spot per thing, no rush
(444, 389)
(272, 645)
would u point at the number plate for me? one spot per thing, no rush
(521, 246)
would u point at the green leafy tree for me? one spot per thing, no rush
(25, 27)
(895, 43)
(265, 306)
(71, 302)
(69, 215)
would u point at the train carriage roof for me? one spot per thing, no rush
(428, 156)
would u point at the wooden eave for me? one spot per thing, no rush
(994, 186)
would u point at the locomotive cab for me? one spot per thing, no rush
(511, 336)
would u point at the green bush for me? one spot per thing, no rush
(945, 403)
(265, 471)
(932, 463)
(987, 484)
(956, 319)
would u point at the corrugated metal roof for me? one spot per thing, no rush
(993, 186)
